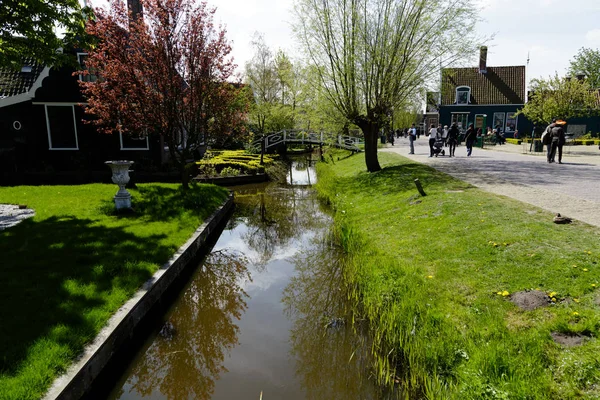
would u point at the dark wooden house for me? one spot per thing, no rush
(43, 129)
(485, 96)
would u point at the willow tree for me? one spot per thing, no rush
(375, 54)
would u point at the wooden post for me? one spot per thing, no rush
(420, 188)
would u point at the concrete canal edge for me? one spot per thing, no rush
(81, 375)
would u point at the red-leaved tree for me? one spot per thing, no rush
(166, 71)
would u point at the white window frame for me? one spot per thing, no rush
(503, 124)
(506, 121)
(463, 89)
(84, 67)
(49, 130)
(133, 148)
(454, 118)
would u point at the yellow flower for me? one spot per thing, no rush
(593, 285)
(589, 252)
(553, 300)
(499, 293)
(585, 270)
(505, 293)
(481, 220)
(552, 294)
(574, 266)
(479, 204)
(430, 276)
(575, 313)
(506, 244)
(576, 300)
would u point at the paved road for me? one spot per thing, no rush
(571, 188)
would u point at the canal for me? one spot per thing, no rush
(265, 315)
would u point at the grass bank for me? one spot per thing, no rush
(65, 271)
(435, 276)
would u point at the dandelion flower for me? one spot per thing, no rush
(505, 293)
(575, 313)
(430, 276)
(585, 270)
(593, 285)
(553, 300)
(552, 294)
(574, 266)
(576, 300)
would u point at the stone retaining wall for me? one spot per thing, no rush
(80, 376)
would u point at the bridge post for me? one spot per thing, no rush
(284, 136)
(262, 148)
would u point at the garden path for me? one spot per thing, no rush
(571, 188)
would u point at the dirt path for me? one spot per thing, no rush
(572, 189)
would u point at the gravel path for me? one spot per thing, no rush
(572, 189)
(11, 215)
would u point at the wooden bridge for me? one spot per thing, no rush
(307, 137)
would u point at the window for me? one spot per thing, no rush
(61, 126)
(461, 120)
(91, 76)
(498, 121)
(463, 95)
(511, 122)
(133, 142)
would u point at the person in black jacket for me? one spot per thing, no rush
(558, 140)
(470, 137)
(452, 139)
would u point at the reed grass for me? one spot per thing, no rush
(434, 276)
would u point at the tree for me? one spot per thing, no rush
(559, 97)
(587, 61)
(28, 29)
(166, 73)
(374, 54)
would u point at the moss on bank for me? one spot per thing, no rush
(434, 276)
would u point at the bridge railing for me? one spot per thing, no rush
(309, 137)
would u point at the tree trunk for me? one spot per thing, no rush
(185, 176)
(371, 132)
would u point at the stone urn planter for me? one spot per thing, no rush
(120, 176)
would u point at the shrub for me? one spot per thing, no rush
(228, 171)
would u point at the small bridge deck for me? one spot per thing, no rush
(307, 137)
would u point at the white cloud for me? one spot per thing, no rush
(593, 37)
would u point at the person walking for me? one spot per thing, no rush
(412, 136)
(433, 133)
(452, 139)
(547, 140)
(558, 140)
(470, 137)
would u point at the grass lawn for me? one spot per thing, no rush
(64, 272)
(434, 275)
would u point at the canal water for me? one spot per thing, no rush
(266, 315)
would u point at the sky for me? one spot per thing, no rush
(549, 32)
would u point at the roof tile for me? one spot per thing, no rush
(13, 82)
(500, 85)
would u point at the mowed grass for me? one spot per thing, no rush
(434, 276)
(64, 272)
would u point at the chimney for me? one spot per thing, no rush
(135, 9)
(483, 60)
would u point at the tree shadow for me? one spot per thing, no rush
(62, 278)
(399, 179)
(160, 203)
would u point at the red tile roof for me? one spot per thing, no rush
(500, 85)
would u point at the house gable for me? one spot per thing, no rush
(500, 85)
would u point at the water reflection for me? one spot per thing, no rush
(332, 358)
(185, 361)
(294, 329)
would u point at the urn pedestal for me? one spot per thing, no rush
(120, 176)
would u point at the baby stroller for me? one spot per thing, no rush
(438, 146)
